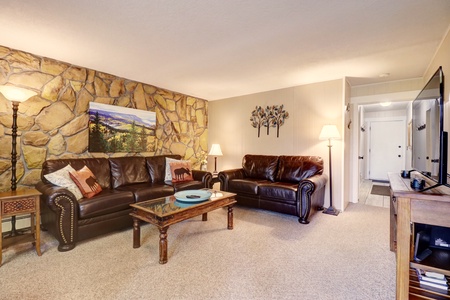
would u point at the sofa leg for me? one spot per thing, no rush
(303, 221)
(66, 247)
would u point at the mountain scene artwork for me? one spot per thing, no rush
(120, 129)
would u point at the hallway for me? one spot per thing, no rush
(367, 198)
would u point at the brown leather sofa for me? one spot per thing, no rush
(124, 180)
(292, 185)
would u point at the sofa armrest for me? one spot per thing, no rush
(311, 193)
(227, 175)
(203, 176)
(59, 211)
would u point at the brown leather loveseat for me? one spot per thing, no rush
(292, 185)
(124, 180)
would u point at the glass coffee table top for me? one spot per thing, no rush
(168, 205)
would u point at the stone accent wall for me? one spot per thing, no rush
(54, 124)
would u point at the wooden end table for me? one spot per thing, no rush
(14, 203)
(163, 212)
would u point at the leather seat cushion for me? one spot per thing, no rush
(247, 186)
(128, 170)
(187, 185)
(260, 166)
(148, 191)
(279, 191)
(106, 202)
(297, 168)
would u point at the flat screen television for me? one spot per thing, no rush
(429, 140)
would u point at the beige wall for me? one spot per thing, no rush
(310, 107)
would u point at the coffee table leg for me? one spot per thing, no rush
(205, 217)
(163, 245)
(136, 233)
(230, 217)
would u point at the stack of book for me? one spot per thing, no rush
(433, 279)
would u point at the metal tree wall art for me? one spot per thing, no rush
(271, 116)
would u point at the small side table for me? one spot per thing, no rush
(14, 203)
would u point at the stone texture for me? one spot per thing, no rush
(34, 156)
(54, 116)
(54, 124)
(84, 97)
(75, 73)
(35, 138)
(33, 80)
(52, 89)
(31, 177)
(75, 125)
(117, 88)
(24, 61)
(78, 143)
(57, 145)
(33, 106)
(69, 97)
(139, 97)
(4, 51)
(101, 89)
(53, 67)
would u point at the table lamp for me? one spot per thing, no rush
(215, 151)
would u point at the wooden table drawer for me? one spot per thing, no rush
(25, 205)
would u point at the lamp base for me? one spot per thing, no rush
(331, 211)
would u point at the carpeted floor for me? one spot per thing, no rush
(266, 256)
(382, 190)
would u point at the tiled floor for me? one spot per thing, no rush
(367, 198)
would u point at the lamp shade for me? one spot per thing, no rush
(329, 132)
(215, 150)
(16, 94)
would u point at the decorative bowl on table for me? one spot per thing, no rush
(192, 196)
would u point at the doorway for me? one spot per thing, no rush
(386, 149)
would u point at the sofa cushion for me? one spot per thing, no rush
(279, 191)
(187, 185)
(148, 191)
(246, 186)
(86, 182)
(98, 166)
(297, 168)
(62, 178)
(128, 170)
(181, 171)
(107, 201)
(260, 166)
(157, 166)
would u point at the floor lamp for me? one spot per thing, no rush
(215, 151)
(330, 132)
(15, 95)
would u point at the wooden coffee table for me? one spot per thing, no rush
(163, 212)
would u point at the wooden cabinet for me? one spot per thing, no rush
(14, 203)
(408, 207)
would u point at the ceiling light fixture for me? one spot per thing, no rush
(386, 103)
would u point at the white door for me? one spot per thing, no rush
(387, 148)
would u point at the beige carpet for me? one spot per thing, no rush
(266, 256)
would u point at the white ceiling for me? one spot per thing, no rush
(215, 49)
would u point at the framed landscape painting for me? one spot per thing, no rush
(120, 129)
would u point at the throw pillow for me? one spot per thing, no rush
(86, 182)
(62, 178)
(168, 176)
(181, 171)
